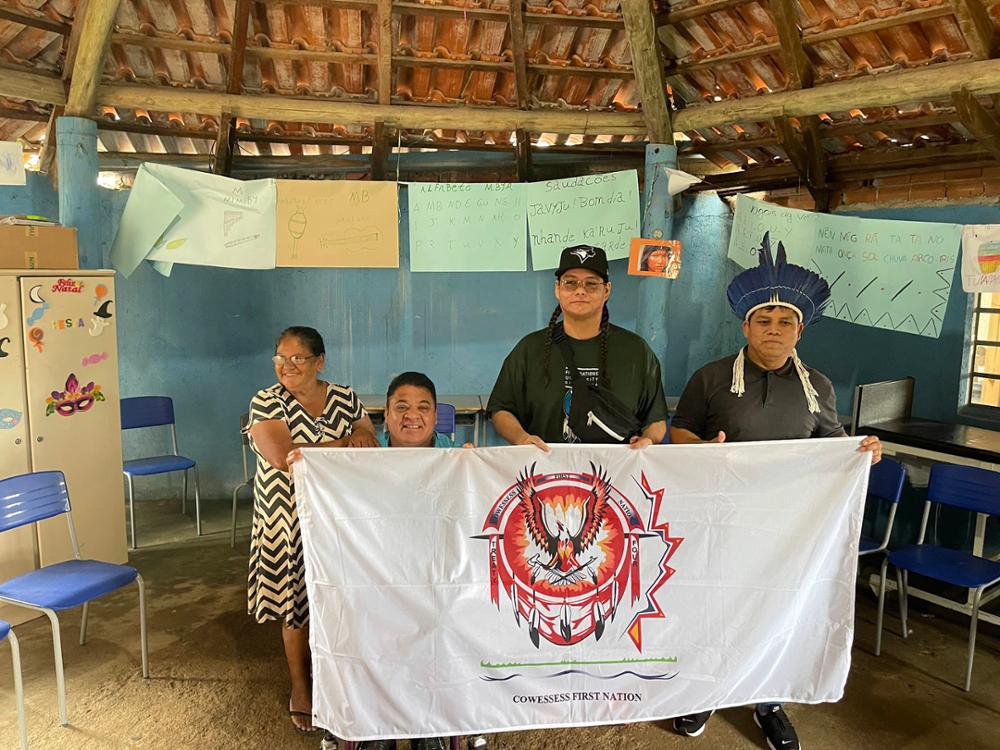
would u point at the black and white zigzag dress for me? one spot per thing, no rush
(276, 585)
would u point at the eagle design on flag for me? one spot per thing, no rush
(566, 530)
(564, 548)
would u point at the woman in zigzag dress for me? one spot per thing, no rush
(300, 409)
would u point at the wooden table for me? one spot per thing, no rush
(467, 406)
(944, 442)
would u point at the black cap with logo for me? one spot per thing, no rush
(587, 257)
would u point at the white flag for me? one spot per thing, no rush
(465, 591)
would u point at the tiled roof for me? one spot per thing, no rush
(461, 52)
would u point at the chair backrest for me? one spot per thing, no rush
(965, 487)
(27, 498)
(244, 421)
(878, 402)
(886, 480)
(146, 411)
(445, 419)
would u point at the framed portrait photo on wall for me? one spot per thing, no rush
(660, 258)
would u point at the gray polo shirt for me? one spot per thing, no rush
(773, 406)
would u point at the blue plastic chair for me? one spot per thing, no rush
(885, 483)
(154, 411)
(445, 420)
(15, 653)
(967, 487)
(29, 498)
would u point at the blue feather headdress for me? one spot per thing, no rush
(778, 282)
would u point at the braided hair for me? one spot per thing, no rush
(554, 327)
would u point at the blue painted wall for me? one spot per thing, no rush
(204, 336)
(36, 197)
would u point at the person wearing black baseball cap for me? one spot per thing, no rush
(616, 376)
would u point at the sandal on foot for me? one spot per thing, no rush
(293, 714)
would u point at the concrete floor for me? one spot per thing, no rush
(218, 680)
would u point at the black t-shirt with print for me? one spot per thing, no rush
(541, 404)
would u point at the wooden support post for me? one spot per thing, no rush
(981, 122)
(522, 150)
(381, 148)
(97, 24)
(648, 65)
(225, 143)
(385, 51)
(238, 53)
(805, 152)
(980, 33)
(516, 10)
(47, 157)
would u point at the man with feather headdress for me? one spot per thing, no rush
(764, 392)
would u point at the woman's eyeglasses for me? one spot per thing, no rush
(296, 359)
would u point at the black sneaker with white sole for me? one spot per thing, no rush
(693, 724)
(777, 728)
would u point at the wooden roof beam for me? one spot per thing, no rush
(797, 65)
(647, 64)
(889, 89)
(98, 22)
(502, 16)
(290, 109)
(817, 37)
(980, 121)
(385, 48)
(926, 84)
(35, 22)
(516, 12)
(238, 52)
(673, 17)
(977, 27)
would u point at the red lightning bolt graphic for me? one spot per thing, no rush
(672, 543)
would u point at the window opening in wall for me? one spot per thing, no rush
(984, 379)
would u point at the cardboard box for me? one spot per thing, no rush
(38, 247)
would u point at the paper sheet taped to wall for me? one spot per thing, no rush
(338, 224)
(178, 215)
(467, 226)
(882, 273)
(596, 209)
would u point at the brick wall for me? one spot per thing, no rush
(946, 187)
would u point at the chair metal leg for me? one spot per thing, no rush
(906, 601)
(142, 626)
(60, 677)
(83, 624)
(881, 609)
(901, 590)
(131, 510)
(15, 654)
(184, 495)
(232, 539)
(972, 637)
(197, 500)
